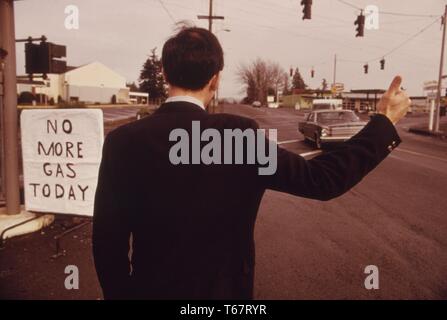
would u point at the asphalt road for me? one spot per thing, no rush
(394, 219)
(115, 114)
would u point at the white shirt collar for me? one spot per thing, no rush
(186, 99)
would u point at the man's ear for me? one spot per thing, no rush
(214, 82)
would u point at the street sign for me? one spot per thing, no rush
(337, 87)
(61, 156)
(430, 85)
(432, 95)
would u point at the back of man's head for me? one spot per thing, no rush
(191, 58)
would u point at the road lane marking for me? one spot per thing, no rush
(421, 154)
(397, 149)
(306, 154)
(288, 141)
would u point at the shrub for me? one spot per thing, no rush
(26, 97)
(71, 105)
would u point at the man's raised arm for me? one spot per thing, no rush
(333, 173)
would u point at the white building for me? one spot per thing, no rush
(90, 83)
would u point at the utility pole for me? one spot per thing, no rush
(210, 19)
(335, 69)
(2, 138)
(335, 75)
(441, 67)
(10, 123)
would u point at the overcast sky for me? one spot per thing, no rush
(121, 34)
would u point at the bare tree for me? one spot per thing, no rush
(258, 77)
(276, 75)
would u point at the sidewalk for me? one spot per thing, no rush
(28, 270)
(423, 130)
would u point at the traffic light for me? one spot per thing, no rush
(32, 58)
(312, 73)
(307, 10)
(291, 72)
(360, 22)
(44, 58)
(365, 68)
(382, 64)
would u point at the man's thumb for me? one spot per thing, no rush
(395, 85)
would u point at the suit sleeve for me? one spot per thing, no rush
(111, 230)
(333, 173)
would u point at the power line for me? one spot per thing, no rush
(397, 47)
(409, 14)
(276, 28)
(280, 29)
(391, 13)
(350, 4)
(167, 11)
(407, 40)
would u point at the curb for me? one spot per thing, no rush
(119, 121)
(426, 132)
(23, 223)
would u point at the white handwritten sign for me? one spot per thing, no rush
(61, 155)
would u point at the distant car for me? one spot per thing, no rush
(327, 104)
(144, 112)
(326, 126)
(256, 104)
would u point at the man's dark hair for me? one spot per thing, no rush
(191, 58)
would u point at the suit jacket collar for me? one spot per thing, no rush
(180, 106)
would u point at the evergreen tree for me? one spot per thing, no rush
(151, 77)
(132, 87)
(297, 81)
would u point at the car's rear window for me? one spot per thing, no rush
(322, 106)
(342, 116)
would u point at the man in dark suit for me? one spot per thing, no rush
(192, 225)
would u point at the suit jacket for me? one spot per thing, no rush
(191, 226)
